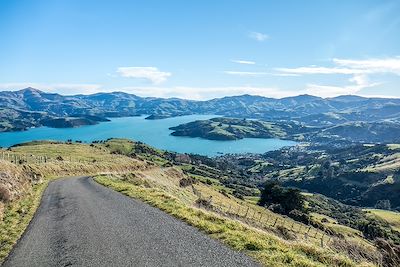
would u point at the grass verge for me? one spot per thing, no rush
(267, 249)
(17, 216)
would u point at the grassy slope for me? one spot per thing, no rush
(143, 179)
(160, 187)
(85, 160)
(391, 217)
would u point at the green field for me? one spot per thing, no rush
(391, 217)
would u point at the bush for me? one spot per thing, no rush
(5, 195)
(238, 194)
(288, 198)
(205, 203)
(324, 220)
(356, 251)
(285, 233)
(389, 251)
(184, 182)
(299, 216)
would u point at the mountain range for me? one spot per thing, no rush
(32, 108)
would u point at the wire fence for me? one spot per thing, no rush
(257, 218)
(18, 158)
(25, 158)
(264, 219)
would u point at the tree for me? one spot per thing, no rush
(288, 198)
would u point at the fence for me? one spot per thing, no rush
(264, 220)
(19, 158)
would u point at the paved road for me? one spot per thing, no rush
(81, 223)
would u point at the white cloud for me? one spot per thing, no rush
(258, 74)
(151, 74)
(360, 70)
(258, 36)
(359, 82)
(203, 93)
(386, 65)
(62, 88)
(319, 70)
(245, 73)
(351, 67)
(246, 62)
(186, 92)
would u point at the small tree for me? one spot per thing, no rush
(289, 199)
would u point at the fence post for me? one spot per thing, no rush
(322, 240)
(306, 233)
(247, 211)
(275, 221)
(254, 213)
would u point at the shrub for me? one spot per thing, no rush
(324, 220)
(288, 198)
(356, 251)
(184, 182)
(300, 216)
(5, 195)
(389, 251)
(285, 233)
(205, 203)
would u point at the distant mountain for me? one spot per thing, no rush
(307, 109)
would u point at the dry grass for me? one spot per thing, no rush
(162, 191)
(21, 185)
(391, 217)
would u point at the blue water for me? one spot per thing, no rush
(152, 132)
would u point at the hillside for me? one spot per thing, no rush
(356, 174)
(162, 179)
(230, 129)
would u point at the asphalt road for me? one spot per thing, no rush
(81, 223)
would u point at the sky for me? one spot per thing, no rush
(202, 49)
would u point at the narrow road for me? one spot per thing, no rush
(81, 223)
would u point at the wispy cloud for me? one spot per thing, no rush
(204, 93)
(386, 65)
(62, 88)
(258, 73)
(258, 36)
(246, 62)
(351, 66)
(151, 74)
(360, 70)
(319, 70)
(357, 83)
(186, 92)
(246, 73)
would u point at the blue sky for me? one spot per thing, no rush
(202, 49)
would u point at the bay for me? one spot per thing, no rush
(152, 132)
